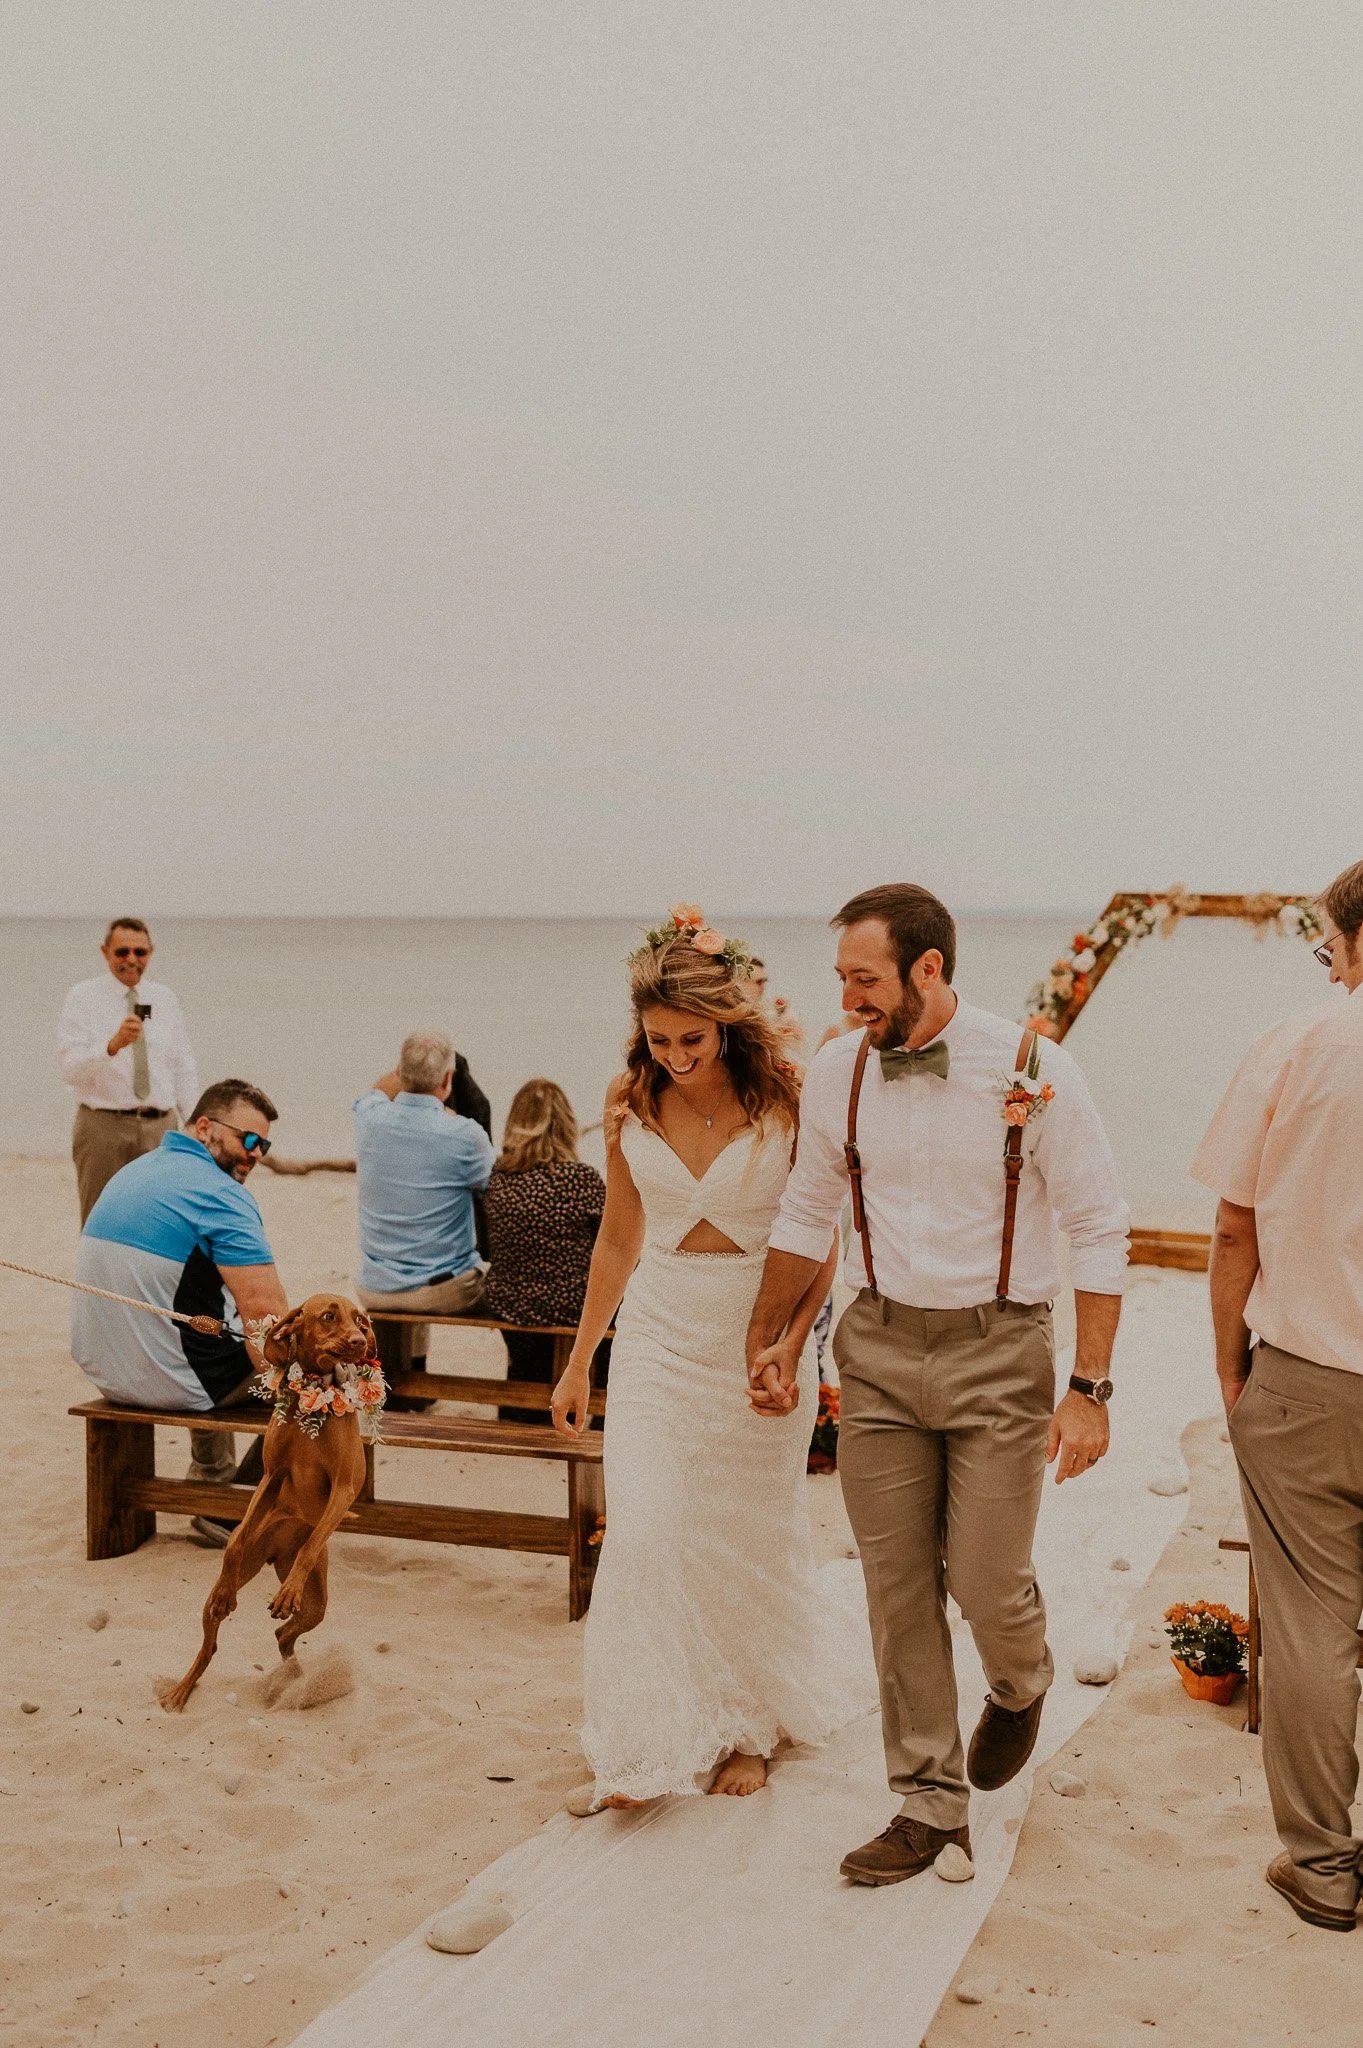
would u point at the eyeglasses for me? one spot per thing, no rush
(251, 1141)
(1326, 953)
(132, 952)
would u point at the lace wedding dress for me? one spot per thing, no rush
(709, 1628)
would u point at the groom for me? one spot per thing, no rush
(965, 1153)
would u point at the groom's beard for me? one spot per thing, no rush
(894, 1027)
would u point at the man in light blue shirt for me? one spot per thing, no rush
(418, 1166)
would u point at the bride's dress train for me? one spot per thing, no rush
(710, 1629)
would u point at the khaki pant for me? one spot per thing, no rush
(942, 1451)
(1297, 1431)
(104, 1140)
(213, 1454)
(400, 1343)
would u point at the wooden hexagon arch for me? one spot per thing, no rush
(1056, 1001)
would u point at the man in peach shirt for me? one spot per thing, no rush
(1285, 1154)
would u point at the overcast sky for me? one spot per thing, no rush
(488, 457)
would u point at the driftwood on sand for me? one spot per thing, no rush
(308, 1165)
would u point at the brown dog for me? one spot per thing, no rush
(309, 1483)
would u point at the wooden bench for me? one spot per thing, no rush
(435, 1386)
(1235, 1536)
(123, 1493)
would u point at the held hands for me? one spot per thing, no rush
(127, 1033)
(572, 1397)
(772, 1378)
(1079, 1433)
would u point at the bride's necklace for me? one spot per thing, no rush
(708, 1121)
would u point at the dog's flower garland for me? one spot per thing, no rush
(313, 1399)
(687, 921)
(1066, 988)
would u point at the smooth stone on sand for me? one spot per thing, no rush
(1120, 1564)
(1167, 1483)
(581, 1801)
(28, 1706)
(232, 1784)
(953, 1865)
(463, 1929)
(7, 1790)
(1095, 1667)
(98, 1620)
(972, 1991)
(1067, 1784)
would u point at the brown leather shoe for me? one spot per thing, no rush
(1284, 1876)
(906, 1847)
(1002, 1742)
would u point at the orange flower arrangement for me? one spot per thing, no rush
(1207, 1637)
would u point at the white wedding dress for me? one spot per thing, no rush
(709, 1629)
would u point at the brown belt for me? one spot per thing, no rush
(98, 1109)
(1012, 1172)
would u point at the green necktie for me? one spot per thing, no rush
(141, 1071)
(929, 1059)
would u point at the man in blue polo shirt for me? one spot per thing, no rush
(177, 1228)
(418, 1165)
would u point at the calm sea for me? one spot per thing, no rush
(314, 1010)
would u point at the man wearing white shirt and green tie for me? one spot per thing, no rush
(123, 1048)
(968, 1148)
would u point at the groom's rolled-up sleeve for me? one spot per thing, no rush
(1081, 1180)
(817, 1186)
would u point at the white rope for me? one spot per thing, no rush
(207, 1326)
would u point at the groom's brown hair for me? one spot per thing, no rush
(914, 918)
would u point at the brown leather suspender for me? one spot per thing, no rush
(853, 1158)
(1012, 1171)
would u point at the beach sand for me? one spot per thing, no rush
(146, 1903)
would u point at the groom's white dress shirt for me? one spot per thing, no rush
(933, 1180)
(90, 1016)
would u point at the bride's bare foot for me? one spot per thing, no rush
(618, 1800)
(741, 1775)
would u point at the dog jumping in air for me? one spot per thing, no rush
(321, 1370)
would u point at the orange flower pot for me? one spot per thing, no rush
(1198, 1686)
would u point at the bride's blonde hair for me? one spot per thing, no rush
(675, 976)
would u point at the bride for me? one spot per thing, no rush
(708, 1638)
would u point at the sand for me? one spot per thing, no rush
(146, 1902)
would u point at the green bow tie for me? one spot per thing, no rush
(929, 1059)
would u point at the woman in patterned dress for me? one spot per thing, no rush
(543, 1209)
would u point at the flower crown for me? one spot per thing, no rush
(687, 921)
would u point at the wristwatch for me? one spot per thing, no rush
(1096, 1390)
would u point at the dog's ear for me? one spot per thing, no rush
(281, 1346)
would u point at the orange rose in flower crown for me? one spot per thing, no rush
(686, 921)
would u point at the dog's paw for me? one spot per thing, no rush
(298, 1686)
(173, 1694)
(287, 1600)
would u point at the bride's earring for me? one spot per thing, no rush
(724, 1041)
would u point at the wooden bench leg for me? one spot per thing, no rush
(115, 1452)
(1252, 1718)
(586, 1504)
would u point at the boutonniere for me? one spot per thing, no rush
(1020, 1101)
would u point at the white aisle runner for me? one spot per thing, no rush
(723, 1923)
